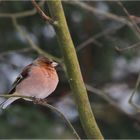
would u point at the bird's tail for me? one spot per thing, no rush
(8, 102)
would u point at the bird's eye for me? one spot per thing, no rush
(50, 62)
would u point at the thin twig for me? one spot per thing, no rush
(98, 11)
(42, 14)
(135, 18)
(135, 27)
(94, 37)
(44, 103)
(32, 44)
(133, 93)
(136, 30)
(64, 118)
(128, 48)
(104, 96)
(15, 51)
(90, 40)
(21, 14)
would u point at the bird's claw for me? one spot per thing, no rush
(39, 101)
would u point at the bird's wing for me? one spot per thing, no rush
(21, 77)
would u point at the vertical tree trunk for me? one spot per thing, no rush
(73, 71)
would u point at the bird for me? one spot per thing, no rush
(38, 79)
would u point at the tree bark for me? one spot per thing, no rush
(73, 71)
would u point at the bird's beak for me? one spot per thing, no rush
(54, 64)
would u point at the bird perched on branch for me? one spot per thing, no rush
(39, 79)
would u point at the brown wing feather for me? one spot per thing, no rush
(21, 77)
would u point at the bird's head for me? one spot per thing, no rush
(45, 61)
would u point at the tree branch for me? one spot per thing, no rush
(44, 103)
(99, 12)
(94, 37)
(21, 14)
(74, 72)
(134, 26)
(127, 48)
(42, 14)
(13, 51)
(133, 93)
(104, 96)
(32, 44)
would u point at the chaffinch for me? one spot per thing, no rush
(39, 79)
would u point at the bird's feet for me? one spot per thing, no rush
(39, 101)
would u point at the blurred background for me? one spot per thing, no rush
(108, 49)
